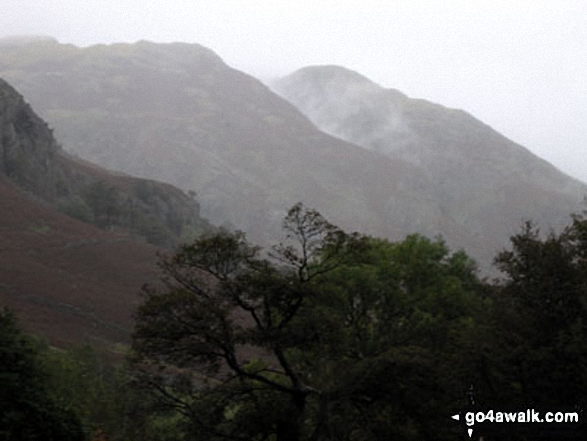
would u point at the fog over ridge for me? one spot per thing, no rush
(517, 66)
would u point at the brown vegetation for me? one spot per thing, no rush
(68, 280)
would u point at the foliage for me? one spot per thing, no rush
(106, 396)
(329, 336)
(147, 210)
(153, 230)
(74, 394)
(77, 208)
(105, 203)
(27, 411)
(544, 304)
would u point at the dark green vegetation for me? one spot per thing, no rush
(30, 158)
(70, 395)
(333, 336)
(27, 409)
(177, 113)
(329, 336)
(543, 302)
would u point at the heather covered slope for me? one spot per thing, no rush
(70, 280)
(66, 279)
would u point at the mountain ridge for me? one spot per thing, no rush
(475, 171)
(235, 136)
(168, 112)
(339, 80)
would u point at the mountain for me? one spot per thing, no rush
(70, 280)
(483, 181)
(177, 113)
(31, 158)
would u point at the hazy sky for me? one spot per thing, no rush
(518, 65)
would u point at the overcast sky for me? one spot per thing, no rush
(518, 65)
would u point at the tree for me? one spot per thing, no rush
(27, 412)
(104, 202)
(543, 302)
(329, 336)
(104, 394)
(77, 208)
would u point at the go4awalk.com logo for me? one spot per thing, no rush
(529, 421)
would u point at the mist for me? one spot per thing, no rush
(517, 66)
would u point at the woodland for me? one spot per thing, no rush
(326, 336)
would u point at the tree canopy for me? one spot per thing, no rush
(329, 335)
(325, 336)
(543, 303)
(27, 411)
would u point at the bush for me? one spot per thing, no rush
(77, 208)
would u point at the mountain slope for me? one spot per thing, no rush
(67, 279)
(481, 179)
(31, 158)
(177, 113)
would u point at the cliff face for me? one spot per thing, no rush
(27, 147)
(31, 158)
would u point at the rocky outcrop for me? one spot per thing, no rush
(31, 158)
(27, 147)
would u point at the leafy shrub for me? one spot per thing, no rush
(77, 208)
